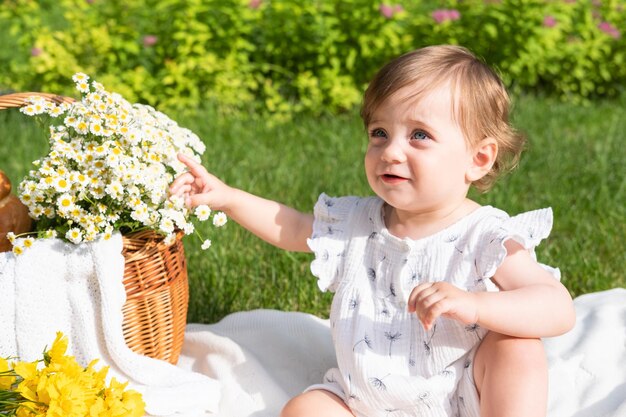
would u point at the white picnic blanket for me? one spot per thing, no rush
(264, 357)
(250, 363)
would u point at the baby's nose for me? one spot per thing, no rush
(394, 152)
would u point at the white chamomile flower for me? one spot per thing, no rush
(28, 110)
(82, 86)
(36, 105)
(206, 244)
(61, 184)
(36, 211)
(167, 225)
(169, 239)
(18, 250)
(74, 235)
(28, 242)
(11, 237)
(178, 203)
(140, 213)
(115, 189)
(202, 212)
(188, 228)
(81, 127)
(96, 128)
(219, 219)
(55, 111)
(49, 212)
(65, 202)
(80, 77)
(70, 121)
(49, 234)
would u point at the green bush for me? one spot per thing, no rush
(287, 56)
(571, 49)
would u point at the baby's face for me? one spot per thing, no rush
(417, 158)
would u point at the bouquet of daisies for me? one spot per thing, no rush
(109, 168)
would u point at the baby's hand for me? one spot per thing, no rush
(199, 187)
(434, 299)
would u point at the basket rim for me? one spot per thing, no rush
(14, 100)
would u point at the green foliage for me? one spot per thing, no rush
(286, 57)
(571, 49)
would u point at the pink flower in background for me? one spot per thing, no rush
(150, 40)
(36, 51)
(388, 10)
(609, 29)
(443, 15)
(549, 21)
(255, 4)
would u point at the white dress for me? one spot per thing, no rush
(387, 364)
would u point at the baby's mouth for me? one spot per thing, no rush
(392, 177)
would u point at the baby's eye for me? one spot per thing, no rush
(419, 135)
(378, 133)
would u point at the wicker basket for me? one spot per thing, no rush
(155, 279)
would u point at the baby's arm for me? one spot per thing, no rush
(531, 302)
(280, 225)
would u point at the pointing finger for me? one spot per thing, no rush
(194, 167)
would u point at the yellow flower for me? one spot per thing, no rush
(122, 402)
(30, 374)
(97, 409)
(57, 350)
(133, 402)
(63, 388)
(7, 379)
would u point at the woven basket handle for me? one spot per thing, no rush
(9, 101)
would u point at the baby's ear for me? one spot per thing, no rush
(485, 154)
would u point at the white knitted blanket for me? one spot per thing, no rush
(55, 286)
(250, 363)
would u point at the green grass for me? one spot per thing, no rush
(574, 163)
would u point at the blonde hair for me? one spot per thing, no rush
(480, 102)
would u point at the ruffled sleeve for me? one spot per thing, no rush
(528, 229)
(331, 231)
